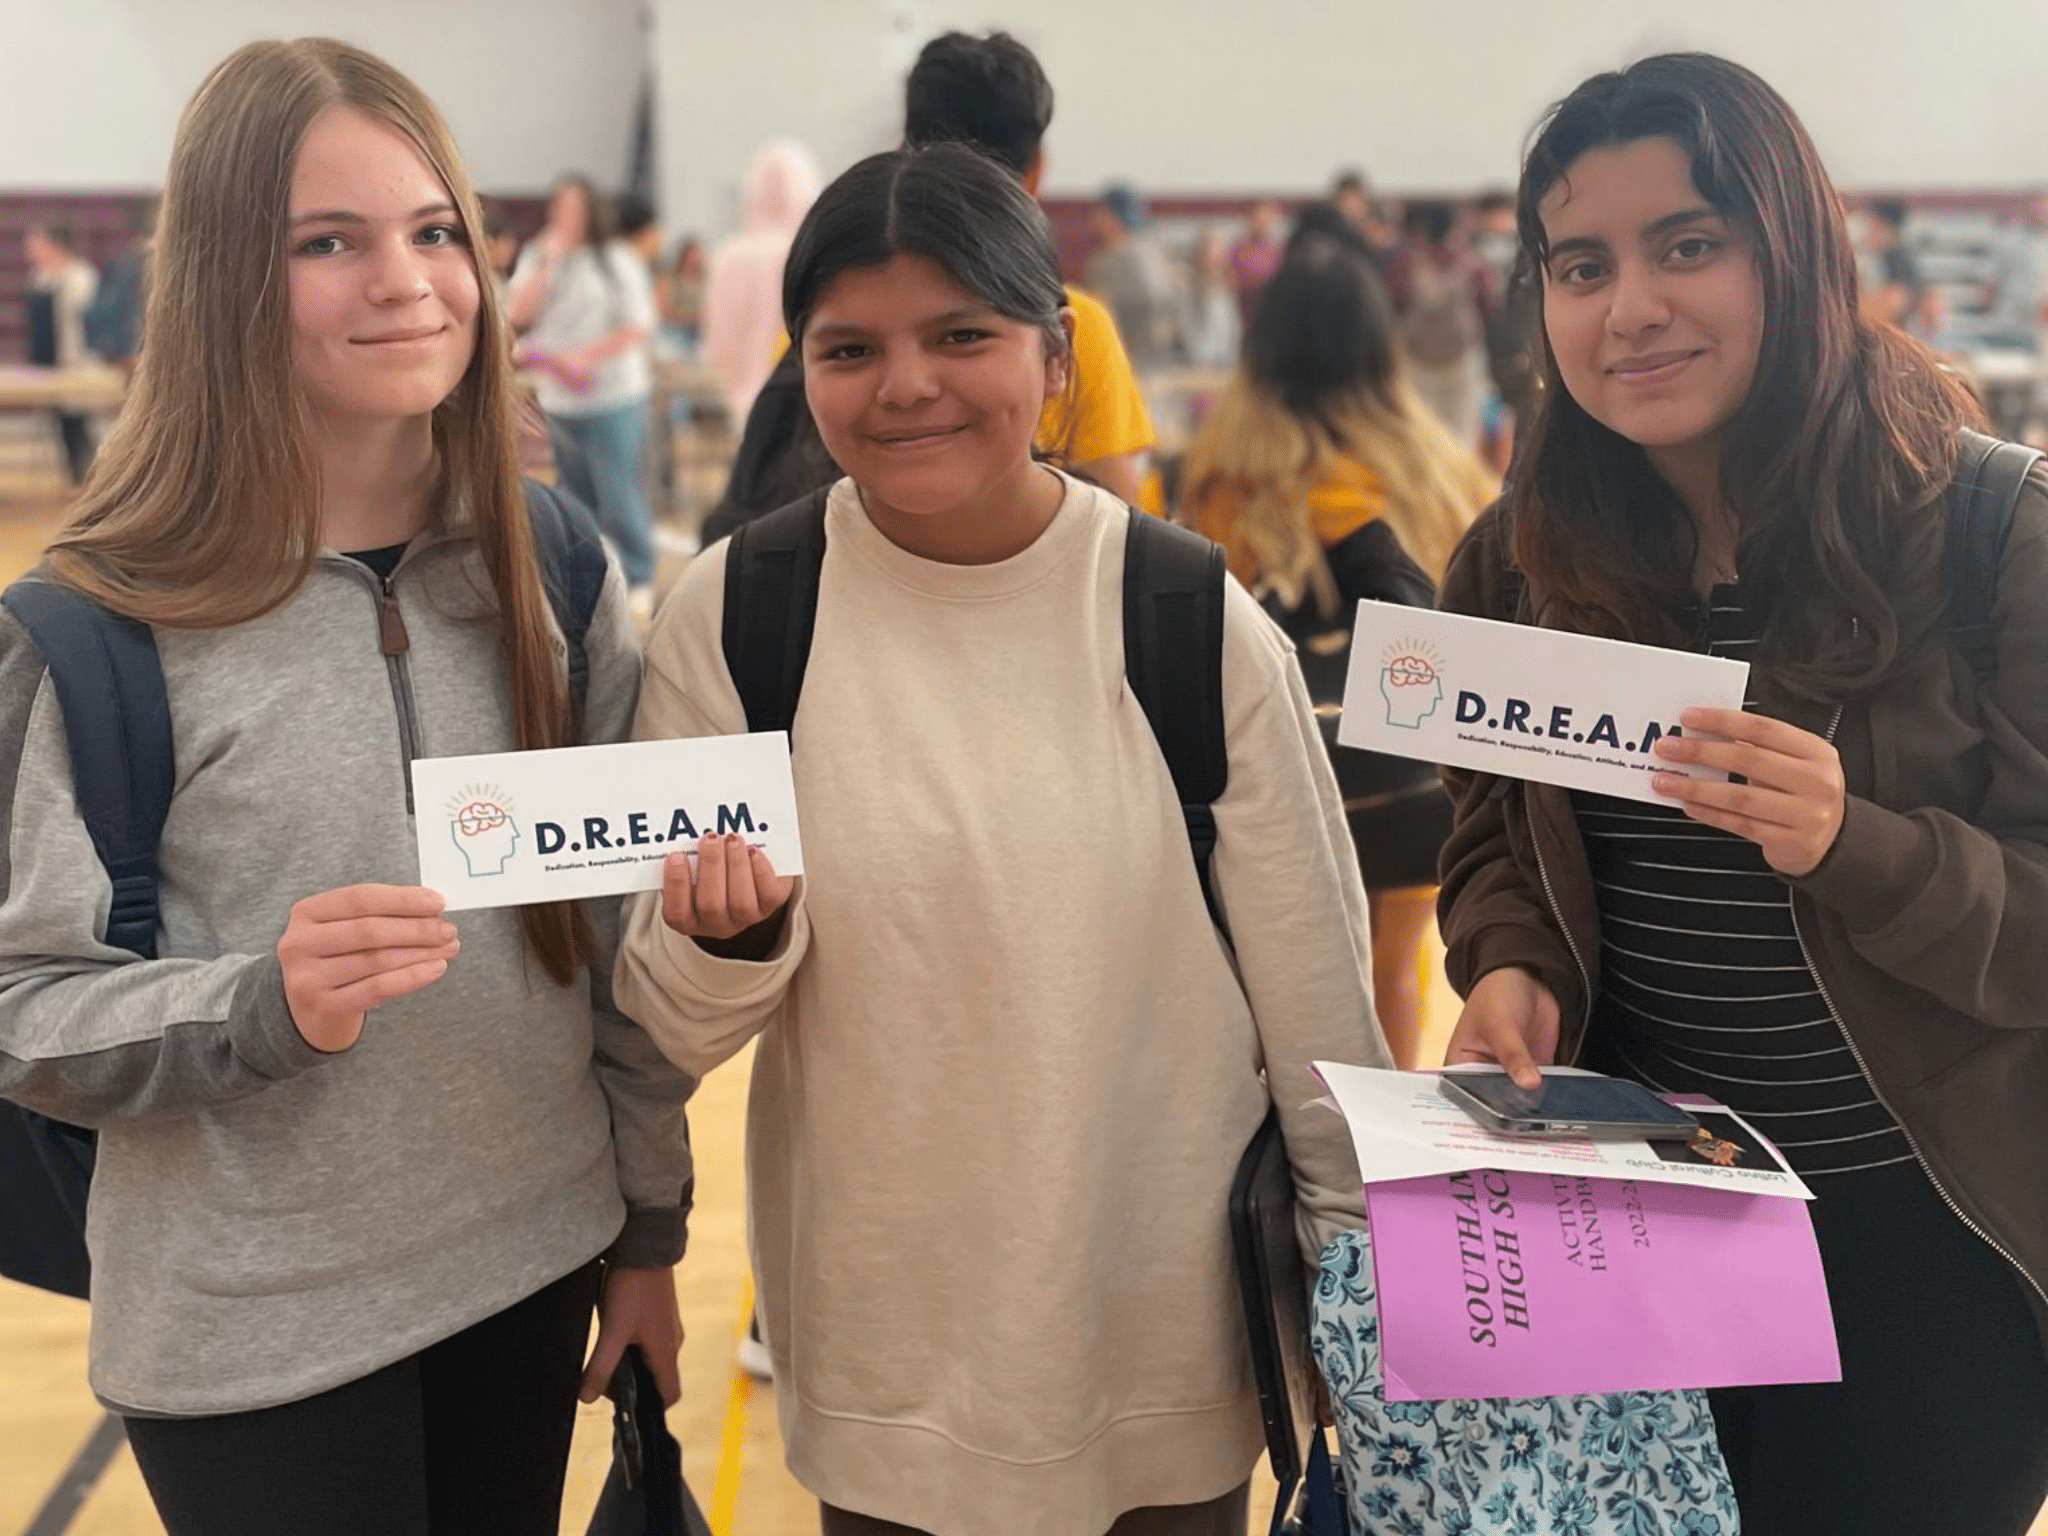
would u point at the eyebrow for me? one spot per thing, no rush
(950, 317)
(1656, 227)
(345, 216)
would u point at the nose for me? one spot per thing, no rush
(908, 378)
(398, 274)
(1636, 300)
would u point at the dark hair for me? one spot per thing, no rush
(1494, 200)
(632, 213)
(946, 203)
(1324, 221)
(599, 222)
(57, 232)
(986, 91)
(1889, 210)
(1430, 218)
(1321, 329)
(1349, 181)
(1835, 463)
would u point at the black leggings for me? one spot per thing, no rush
(470, 1437)
(1940, 1421)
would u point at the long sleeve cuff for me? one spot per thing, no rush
(261, 1025)
(652, 1238)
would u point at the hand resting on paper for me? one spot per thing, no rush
(1793, 804)
(733, 907)
(345, 951)
(1509, 1019)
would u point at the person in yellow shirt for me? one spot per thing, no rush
(1326, 480)
(991, 93)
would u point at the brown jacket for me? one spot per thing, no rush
(1926, 924)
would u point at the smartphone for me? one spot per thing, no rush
(1584, 1106)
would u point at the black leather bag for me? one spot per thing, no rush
(644, 1494)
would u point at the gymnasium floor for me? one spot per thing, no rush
(726, 1423)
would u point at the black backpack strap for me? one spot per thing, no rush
(117, 723)
(1173, 662)
(572, 570)
(1981, 501)
(772, 565)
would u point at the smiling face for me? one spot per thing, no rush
(383, 290)
(924, 394)
(1652, 300)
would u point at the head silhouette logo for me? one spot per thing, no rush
(1411, 681)
(480, 821)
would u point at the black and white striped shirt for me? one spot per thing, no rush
(1704, 985)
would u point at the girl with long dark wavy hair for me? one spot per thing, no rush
(1844, 941)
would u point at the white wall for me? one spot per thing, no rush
(90, 90)
(1178, 95)
(1227, 95)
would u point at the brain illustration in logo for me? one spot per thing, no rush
(1411, 682)
(480, 821)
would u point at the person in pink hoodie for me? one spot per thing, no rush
(743, 284)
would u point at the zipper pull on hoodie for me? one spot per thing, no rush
(391, 625)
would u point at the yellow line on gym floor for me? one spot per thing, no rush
(732, 1445)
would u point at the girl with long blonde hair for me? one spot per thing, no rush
(1327, 480)
(363, 1169)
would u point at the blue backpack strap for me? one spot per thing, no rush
(1173, 661)
(117, 722)
(117, 725)
(572, 562)
(772, 568)
(1982, 497)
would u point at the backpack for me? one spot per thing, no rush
(1981, 499)
(1368, 563)
(113, 320)
(117, 723)
(1173, 642)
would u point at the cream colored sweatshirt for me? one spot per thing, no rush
(1006, 1066)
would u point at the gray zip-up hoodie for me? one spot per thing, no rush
(268, 1221)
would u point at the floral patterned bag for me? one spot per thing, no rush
(1607, 1464)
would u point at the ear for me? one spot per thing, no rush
(1034, 173)
(1059, 366)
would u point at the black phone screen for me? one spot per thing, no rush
(1588, 1100)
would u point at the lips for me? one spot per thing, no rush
(1651, 367)
(915, 437)
(393, 338)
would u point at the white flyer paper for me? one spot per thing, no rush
(1402, 1127)
(1524, 702)
(506, 828)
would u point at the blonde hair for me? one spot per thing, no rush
(1267, 458)
(203, 508)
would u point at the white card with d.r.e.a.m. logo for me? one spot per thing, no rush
(506, 828)
(1524, 702)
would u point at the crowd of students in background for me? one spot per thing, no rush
(1181, 290)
